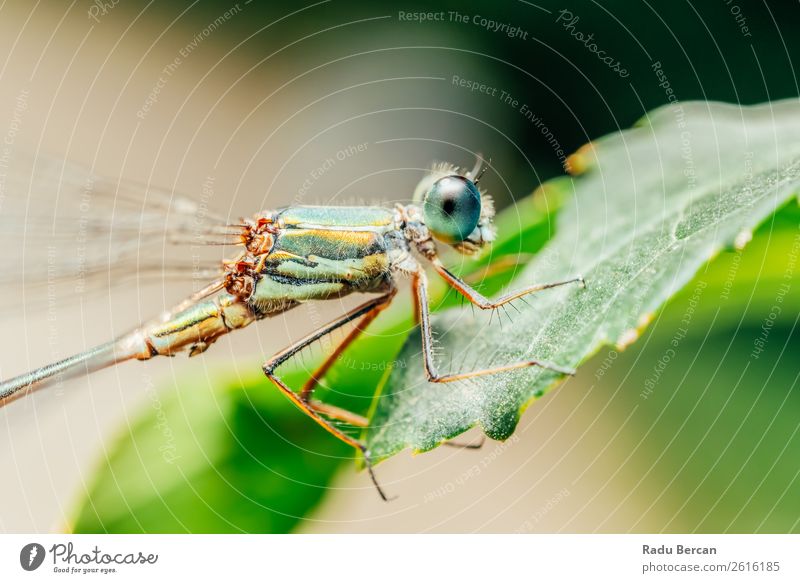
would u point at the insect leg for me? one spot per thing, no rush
(420, 282)
(366, 319)
(484, 303)
(501, 265)
(317, 410)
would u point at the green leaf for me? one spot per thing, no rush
(746, 280)
(211, 458)
(653, 206)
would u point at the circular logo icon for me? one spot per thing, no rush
(31, 556)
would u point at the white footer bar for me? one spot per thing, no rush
(388, 558)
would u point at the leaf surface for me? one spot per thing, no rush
(650, 207)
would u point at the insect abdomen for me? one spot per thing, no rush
(198, 326)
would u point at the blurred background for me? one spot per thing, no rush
(255, 105)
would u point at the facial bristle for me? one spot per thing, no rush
(487, 207)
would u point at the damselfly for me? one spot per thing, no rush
(286, 257)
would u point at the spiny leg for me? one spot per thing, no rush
(316, 376)
(311, 412)
(422, 311)
(366, 320)
(484, 303)
(315, 410)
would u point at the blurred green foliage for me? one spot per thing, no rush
(211, 457)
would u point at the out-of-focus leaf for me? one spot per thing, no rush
(712, 409)
(745, 281)
(654, 205)
(211, 458)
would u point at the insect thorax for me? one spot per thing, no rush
(309, 253)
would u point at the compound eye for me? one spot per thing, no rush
(452, 208)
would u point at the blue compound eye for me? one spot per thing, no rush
(452, 208)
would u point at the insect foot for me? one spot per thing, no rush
(368, 463)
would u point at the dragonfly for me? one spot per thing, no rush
(283, 258)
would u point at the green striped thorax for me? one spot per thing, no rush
(454, 209)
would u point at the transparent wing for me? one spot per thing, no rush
(61, 225)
